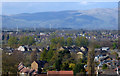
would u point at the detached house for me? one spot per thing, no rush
(80, 55)
(22, 48)
(37, 64)
(24, 71)
(84, 48)
(105, 48)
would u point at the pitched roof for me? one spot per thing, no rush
(113, 56)
(20, 66)
(32, 71)
(24, 70)
(105, 58)
(110, 72)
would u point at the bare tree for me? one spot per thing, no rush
(90, 59)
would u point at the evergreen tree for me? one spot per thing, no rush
(65, 66)
(44, 55)
(49, 55)
(58, 64)
(39, 70)
(79, 68)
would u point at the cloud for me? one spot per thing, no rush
(84, 2)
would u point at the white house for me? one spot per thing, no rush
(22, 48)
(42, 34)
(82, 48)
(105, 48)
(80, 55)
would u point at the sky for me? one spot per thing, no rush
(9, 8)
(58, 0)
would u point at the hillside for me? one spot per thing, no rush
(76, 19)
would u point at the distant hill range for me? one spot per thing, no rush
(80, 19)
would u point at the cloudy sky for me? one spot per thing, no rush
(9, 8)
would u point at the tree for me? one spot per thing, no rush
(10, 62)
(104, 66)
(79, 68)
(61, 41)
(71, 66)
(114, 45)
(69, 41)
(81, 41)
(31, 40)
(26, 40)
(65, 66)
(49, 55)
(44, 55)
(13, 41)
(27, 59)
(23, 40)
(57, 42)
(33, 56)
(90, 59)
(58, 64)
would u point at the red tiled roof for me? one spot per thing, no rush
(20, 67)
(20, 64)
(60, 72)
(35, 72)
(31, 70)
(25, 70)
